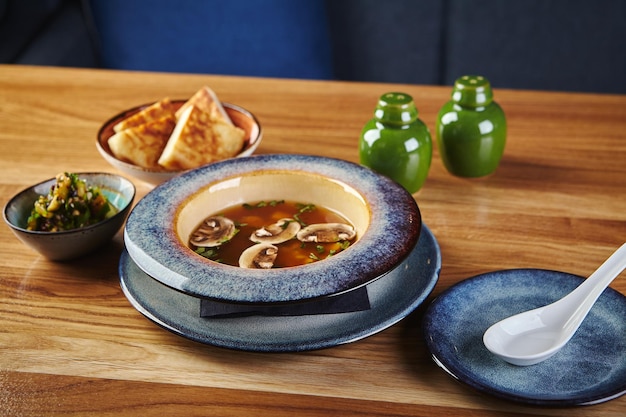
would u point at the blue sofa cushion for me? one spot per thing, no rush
(274, 38)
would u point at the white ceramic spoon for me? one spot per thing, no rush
(533, 336)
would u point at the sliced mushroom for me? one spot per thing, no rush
(213, 231)
(326, 232)
(259, 256)
(279, 232)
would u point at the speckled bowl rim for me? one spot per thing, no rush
(154, 246)
(121, 210)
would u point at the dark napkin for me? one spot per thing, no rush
(355, 300)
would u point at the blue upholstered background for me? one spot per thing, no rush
(570, 45)
(282, 38)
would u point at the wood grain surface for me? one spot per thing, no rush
(71, 344)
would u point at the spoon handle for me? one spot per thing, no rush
(586, 294)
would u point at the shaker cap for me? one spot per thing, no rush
(472, 91)
(396, 108)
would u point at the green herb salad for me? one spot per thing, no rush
(70, 204)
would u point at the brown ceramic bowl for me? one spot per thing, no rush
(240, 117)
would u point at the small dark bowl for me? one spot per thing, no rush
(70, 244)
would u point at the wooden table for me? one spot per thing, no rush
(71, 344)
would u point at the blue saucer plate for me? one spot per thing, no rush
(590, 369)
(391, 297)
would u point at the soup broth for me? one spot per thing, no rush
(250, 218)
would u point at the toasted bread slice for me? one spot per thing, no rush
(142, 145)
(156, 111)
(206, 100)
(200, 138)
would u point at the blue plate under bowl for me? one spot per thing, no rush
(391, 298)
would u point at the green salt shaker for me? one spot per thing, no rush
(471, 129)
(396, 143)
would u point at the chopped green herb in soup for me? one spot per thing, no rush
(70, 204)
(272, 234)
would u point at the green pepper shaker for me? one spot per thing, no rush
(471, 129)
(396, 143)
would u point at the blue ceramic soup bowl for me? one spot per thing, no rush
(385, 216)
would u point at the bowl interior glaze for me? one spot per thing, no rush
(274, 185)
